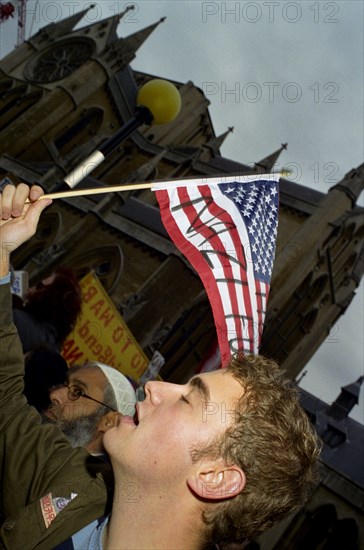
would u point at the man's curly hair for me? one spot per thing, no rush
(273, 442)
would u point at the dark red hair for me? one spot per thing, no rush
(58, 303)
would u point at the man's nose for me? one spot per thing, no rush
(59, 395)
(158, 391)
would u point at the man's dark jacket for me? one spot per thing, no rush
(38, 466)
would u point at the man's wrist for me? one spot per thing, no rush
(4, 264)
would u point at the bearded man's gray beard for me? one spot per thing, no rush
(79, 431)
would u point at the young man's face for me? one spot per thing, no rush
(91, 381)
(172, 420)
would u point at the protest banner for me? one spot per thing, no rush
(102, 335)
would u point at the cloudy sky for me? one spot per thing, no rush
(278, 71)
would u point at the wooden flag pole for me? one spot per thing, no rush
(116, 188)
(97, 191)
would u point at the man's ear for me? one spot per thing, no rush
(109, 420)
(217, 482)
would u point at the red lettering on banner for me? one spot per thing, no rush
(97, 349)
(90, 293)
(91, 341)
(107, 356)
(126, 345)
(101, 335)
(83, 330)
(117, 334)
(107, 316)
(71, 352)
(96, 308)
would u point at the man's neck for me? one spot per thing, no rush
(153, 522)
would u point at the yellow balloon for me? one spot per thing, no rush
(162, 99)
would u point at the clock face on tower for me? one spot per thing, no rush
(59, 60)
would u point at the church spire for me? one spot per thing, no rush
(216, 142)
(348, 398)
(65, 26)
(122, 51)
(268, 162)
(135, 40)
(116, 20)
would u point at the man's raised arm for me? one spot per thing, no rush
(18, 222)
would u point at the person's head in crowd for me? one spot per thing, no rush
(56, 300)
(89, 403)
(44, 369)
(233, 447)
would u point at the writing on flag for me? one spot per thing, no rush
(227, 230)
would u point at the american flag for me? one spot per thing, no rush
(227, 228)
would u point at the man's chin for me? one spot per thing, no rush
(79, 431)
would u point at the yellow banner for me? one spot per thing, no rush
(102, 335)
